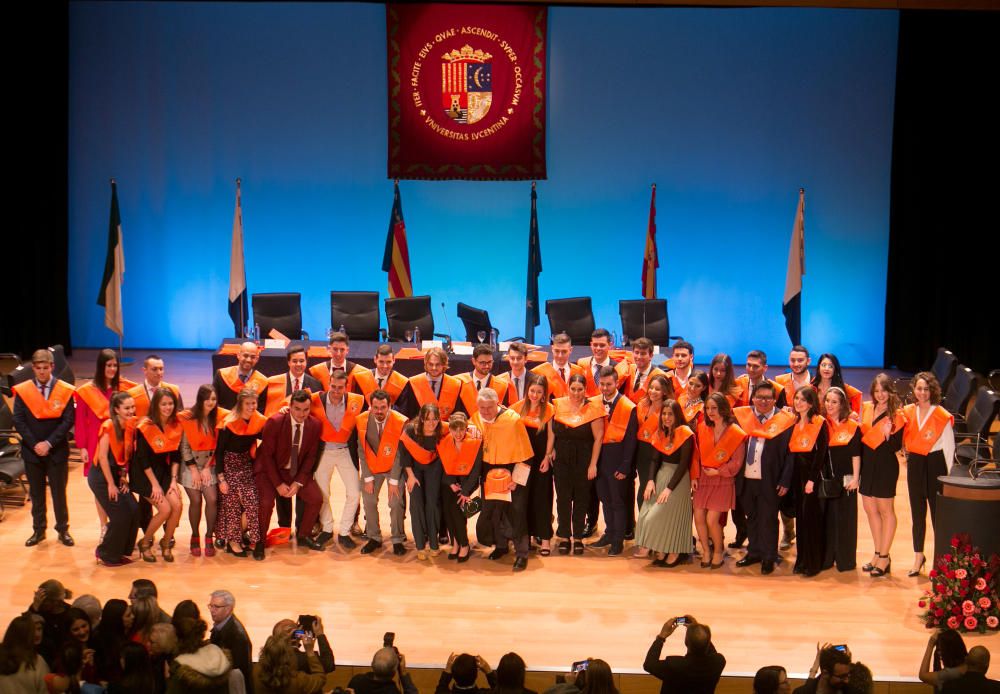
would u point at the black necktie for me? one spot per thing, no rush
(293, 458)
(479, 385)
(517, 387)
(638, 382)
(380, 382)
(244, 377)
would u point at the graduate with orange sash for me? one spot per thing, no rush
(108, 480)
(153, 472)
(882, 425)
(930, 449)
(615, 465)
(828, 375)
(379, 432)
(657, 390)
(721, 452)
(281, 387)
(339, 347)
(536, 412)
(433, 387)
(201, 431)
(235, 449)
(152, 378)
(798, 374)
(600, 347)
(43, 415)
(809, 442)
(382, 377)
(722, 378)
(841, 513)
(93, 404)
(461, 459)
(517, 377)
(682, 360)
(559, 370)
(578, 425)
(664, 524)
(480, 377)
(756, 374)
(230, 380)
(641, 370)
(692, 398)
(423, 478)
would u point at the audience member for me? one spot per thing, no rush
(833, 667)
(22, 668)
(460, 674)
(229, 633)
(110, 638)
(947, 650)
(861, 680)
(136, 669)
(144, 588)
(277, 670)
(81, 634)
(599, 678)
(91, 606)
(696, 671)
(386, 663)
(771, 679)
(162, 649)
(510, 675)
(974, 681)
(200, 666)
(307, 637)
(185, 608)
(145, 613)
(50, 604)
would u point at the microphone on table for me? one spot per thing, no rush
(447, 324)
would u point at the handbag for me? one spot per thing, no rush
(472, 507)
(830, 487)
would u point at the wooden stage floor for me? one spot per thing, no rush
(560, 610)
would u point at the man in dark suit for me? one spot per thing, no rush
(766, 475)
(974, 681)
(288, 453)
(614, 467)
(43, 415)
(697, 671)
(229, 633)
(230, 380)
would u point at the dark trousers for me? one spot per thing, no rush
(593, 506)
(284, 506)
(540, 503)
(613, 493)
(572, 497)
(508, 521)
(308, 502)
(761, 505)
(842, 532)
(922, 472)
(425, 516)
(123, 518)
(740, 514)
(52, 471)
(454, 518)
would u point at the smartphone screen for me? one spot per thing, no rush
(580, 665)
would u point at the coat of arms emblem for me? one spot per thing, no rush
(466, 84)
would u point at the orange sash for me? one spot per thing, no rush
(680, 434)
(586, 364)
(854, 398)
(535, 421)
(558, 388)
(382, 463)
(243, 427)
(470, 396)
(197, 438)
(871, 435)
(159, 440)
(921, 440)
(458, 462)
(276, 396)
(617, 422)
(59, 398)
(231, 377)
(715, 454)
(565, 412)
(744, 384)
(419, 453)
(448, 397)
(321, 372)
(691, 410)
(138, 393)
(804, 438)
(121, 450)
(649, 423)
(841, 433)
(633, 394)
(352, 408)
(766, 430)
(94, 398)
(393, 385)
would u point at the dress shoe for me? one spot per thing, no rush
(398, 549)
(346, 542)
(242, 554)
(605, 541)
(356, 531)
(748, 561)
(310, 543)
(258, 551)
(370, 547)
(421, 555)
(629, 536)
(616, 549)
(66, 539)
(520, 564)
(766, 568)
(323, 537)
(738, 542)
(588, 530)
(659, 563)
(785, 545)
(498, 553)
(443, 538)
(220, 543)
(681, 558)
(468, 555)
(35, 538)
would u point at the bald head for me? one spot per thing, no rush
(978, 659)
(384, 663)
(247, 357)
(697, 639)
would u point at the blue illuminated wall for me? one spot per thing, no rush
(728, 111)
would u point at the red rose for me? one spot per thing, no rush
(950, 575)
(946, 557)
(921, 604)
(955, 542)
(941, 588)
(992, 622)
(980, 583)
(965, 584)
(985, 603)
(968, 607)
(971, 623)
(953, 622)
(939, 612)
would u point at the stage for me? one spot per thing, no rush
(560, 610)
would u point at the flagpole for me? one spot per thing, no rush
(121, 336)
(239, 204)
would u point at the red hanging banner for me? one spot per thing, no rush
(466, 91)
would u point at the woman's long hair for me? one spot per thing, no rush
(206, 420)
(277, 663)
(18, 646)
(103, 357)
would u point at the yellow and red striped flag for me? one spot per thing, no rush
(650, 259)
(396, 260)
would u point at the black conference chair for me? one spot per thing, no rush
(60, 369)
(407, 313)
(281, 311)
(573, 316)
(972, 434)
(358, 312)
(944, 367)
(646, 318)
(956, 399)
(474, 319)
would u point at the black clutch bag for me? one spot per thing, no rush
(829, 487)
(473, 506)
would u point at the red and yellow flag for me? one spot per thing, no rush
(650, 259)
(396, 260)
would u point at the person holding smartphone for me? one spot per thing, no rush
(697, 671)
(306, 637)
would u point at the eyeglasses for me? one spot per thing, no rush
(217, 607)
(763, 397)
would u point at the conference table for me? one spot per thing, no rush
(409, 360)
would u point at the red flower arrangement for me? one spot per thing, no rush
(963, 593)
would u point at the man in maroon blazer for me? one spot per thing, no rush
(289, 450)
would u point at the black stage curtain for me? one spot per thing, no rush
(35, 245)
(944, 233)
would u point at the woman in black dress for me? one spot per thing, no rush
(109, 482)
(881, 438)
(809, 442)
(578, 425)
(234, 453)
(536, 412)
(841, 513)
(423, 477)
(153, 472)
(462, 463)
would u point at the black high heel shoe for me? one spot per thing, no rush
(912, 573)
(870, 565)
(878, 571)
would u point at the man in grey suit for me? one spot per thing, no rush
(379, 430)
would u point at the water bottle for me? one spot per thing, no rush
(256, 333)
(494, 337)
(416, 336)
(342, 330)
